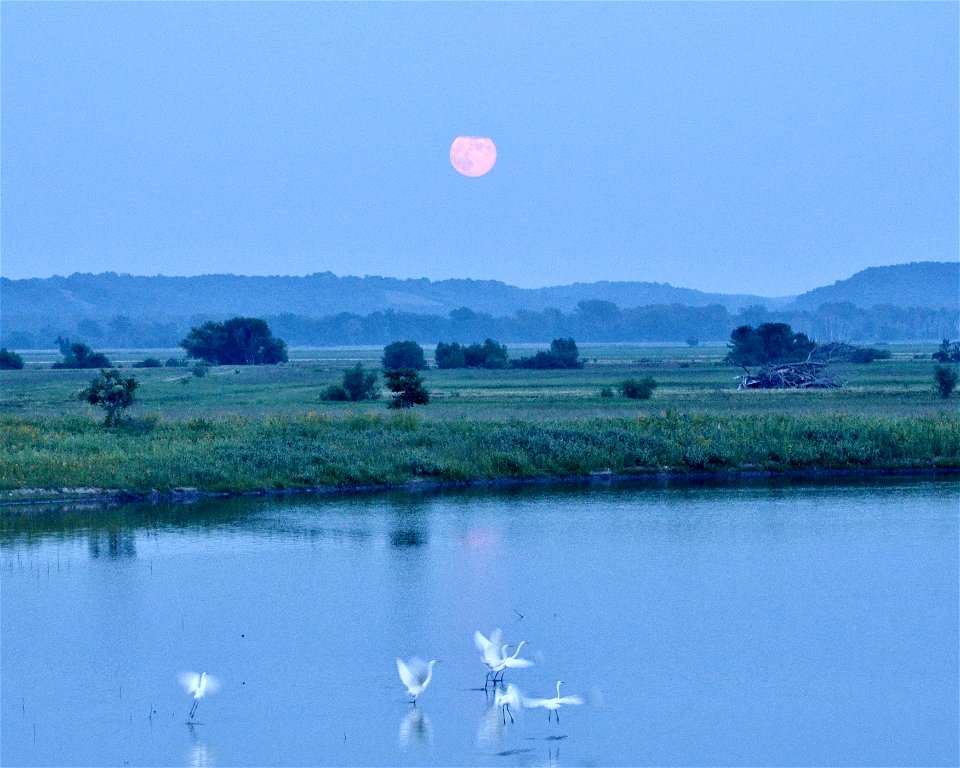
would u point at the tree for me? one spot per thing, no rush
(449, 355)
(10, 361)
(111, 392)
(150, 362)
(945, 377)
(407, 386)
(563, 353)
(948, 353)
(403, 354)
(767, 343)
(638, 389)
(79, 355)
(238, 341)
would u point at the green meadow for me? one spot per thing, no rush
(250, 428)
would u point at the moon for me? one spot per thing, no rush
(473, 155)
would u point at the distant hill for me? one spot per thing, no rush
(133, 311)
(919, 284)
(109, 294)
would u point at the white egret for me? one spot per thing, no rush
(509, 662)
(507, 699)
(491, 654)
(416, 675)
(199, 684)
(553, 705)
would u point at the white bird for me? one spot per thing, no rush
(506, 699)
(416, 675)
(509, 662)
(491, 654)
(199, 684)
(553, 705)
(512, 662)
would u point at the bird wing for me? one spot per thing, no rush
(406, 675)
(490, 649)
(190, 681)
(571, 700)
(531, 703)
(211, 684)
(413, 673)
(517, 663)
(512, 696)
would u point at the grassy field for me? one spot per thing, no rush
(244, 428)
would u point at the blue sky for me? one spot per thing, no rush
(738, 147)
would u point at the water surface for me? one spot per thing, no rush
(793, 624)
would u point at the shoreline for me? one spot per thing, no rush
(114, 497)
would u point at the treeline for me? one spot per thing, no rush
(591, 321)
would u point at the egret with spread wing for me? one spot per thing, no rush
(553, 705)
(507, 699)
(416, 675)
(199, 684)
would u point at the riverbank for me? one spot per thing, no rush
(179, 459)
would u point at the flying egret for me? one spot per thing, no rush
(199, 684)
(506, 699)
(553, 705)
(416, 675)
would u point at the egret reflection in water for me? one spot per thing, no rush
(415, 728)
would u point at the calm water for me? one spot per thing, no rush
(747, 625)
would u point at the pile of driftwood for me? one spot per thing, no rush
(809, 374)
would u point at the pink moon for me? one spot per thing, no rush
(473, 155)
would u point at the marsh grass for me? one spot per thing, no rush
(236, 453)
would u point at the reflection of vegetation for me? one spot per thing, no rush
(114, 544)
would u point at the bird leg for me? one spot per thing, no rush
(193, 709)
(509, 713)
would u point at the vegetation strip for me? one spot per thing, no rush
(279, 452)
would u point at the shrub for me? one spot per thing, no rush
(403, 354)
(869, 354)
(176, 362)
(200, 369)
(408, 388)
(606, 392)
(78, 355)
(359, 384)
(150, 362)
(692, 341)
(10, 361)
(638, 389)
(238, 341)
(111, 392)
(334, 393)
(945, 377)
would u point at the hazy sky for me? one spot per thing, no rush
(750, 147)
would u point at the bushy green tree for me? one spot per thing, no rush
(238, 341)
(112, 392)
(150, 362)
(563, 353)
(77, 355)
(945, 377)
(768, 343)
(638, 389)
(407, 386)
(449, 355)
(403, 354)
(10, 361)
